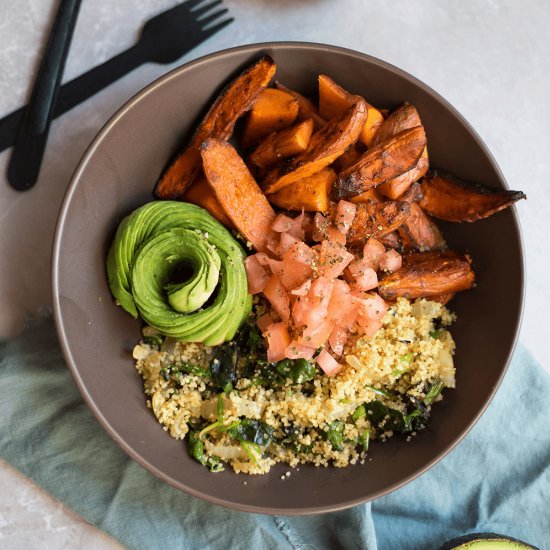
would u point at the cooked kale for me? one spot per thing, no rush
(385, 418)
(433, 391)
(154, 341)
(335, 434)
(175, 371)
(195, 447)
(252, 431)
(298, 371)
(223, 366)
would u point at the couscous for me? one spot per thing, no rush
(387, 385)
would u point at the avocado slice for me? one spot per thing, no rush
(486, 541)
(151, 243)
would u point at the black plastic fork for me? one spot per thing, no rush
(164, 39)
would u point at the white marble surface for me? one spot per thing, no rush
(489, 58)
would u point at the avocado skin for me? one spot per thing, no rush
(214, 324)
(486, 541)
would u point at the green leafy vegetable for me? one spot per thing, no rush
(297, 371)
(435, 333)
(379, 391)
(253, 450)
(219, 408)
(175, 371)
(223, 366)
(384, 417)
(360, 411)
(195, 447)
(335, 434)
(154, 341)
(251, 346)
(433, 391)
(364, 440)
(252, 431)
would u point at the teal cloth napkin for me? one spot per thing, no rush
(497, 479)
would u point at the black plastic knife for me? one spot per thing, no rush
(26, 159)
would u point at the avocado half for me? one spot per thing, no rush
(149, 247)
(486, 541)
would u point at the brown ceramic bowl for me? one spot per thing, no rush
(117, 174)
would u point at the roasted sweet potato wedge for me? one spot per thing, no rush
(237, 98)
(274, 110)
(391, 240)
(381, 163)
(200, 193)
(447, 197)
(420, 232)
(350, 156)
(310, 194)
(376, 219)
(307, 108)
(237, 192)
(333, 100)
(402, 118)
(283, 144)
(427, 274)
(395, 188)
(369, 195)
(326, 145)
(413, 193)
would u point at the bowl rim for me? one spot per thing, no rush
(256, 48)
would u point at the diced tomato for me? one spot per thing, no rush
(263, 258)
(278, 339)
(333, 235)
(322, 288)
(361, 275)
(316, 336)
(295, 274)
(329, 365)
(369, 326)
(333, 259)
(264, 321)
(295, 350)
(348, 319)
(371, 305)
(256, 274)
(302, 290)
(301, 309)
(298, 226)
(340, 301)
(320, 226)
(337, 339)
(307, 225)
(301, 252)
(282, 223)
(276, 266)
(390, 261)
(367, 281)
(307, 312)
(276, 293)
(286, 242)
(311, 310)
(345, 213)
(273, 240)
(372, 251)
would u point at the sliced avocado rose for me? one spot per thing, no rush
(181, 270)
